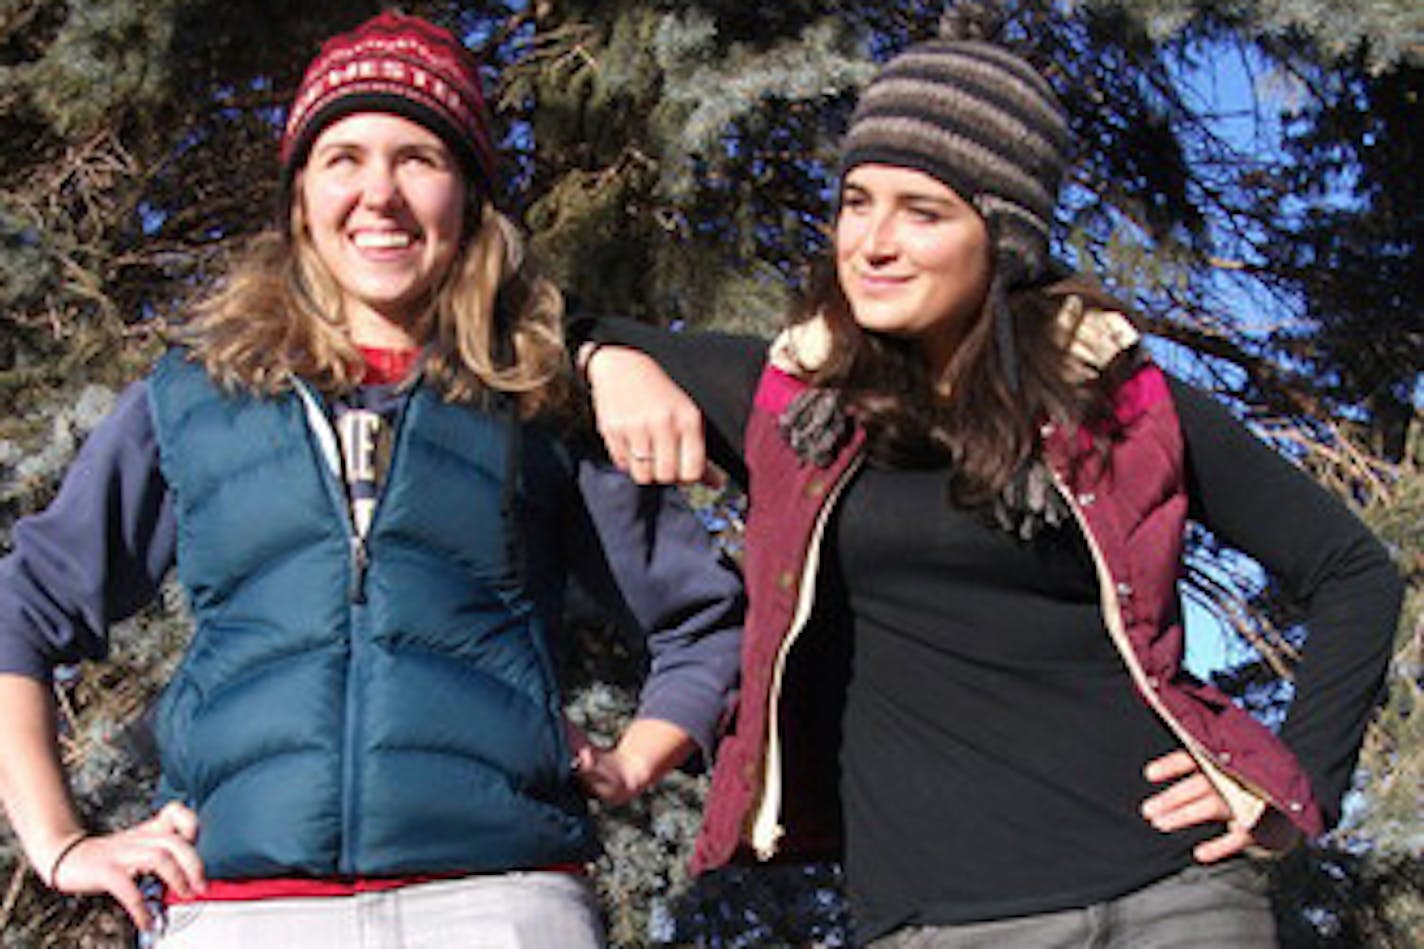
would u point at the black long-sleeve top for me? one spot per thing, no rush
(993, 744)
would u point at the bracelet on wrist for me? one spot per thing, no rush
(587, 350)
(74, 841)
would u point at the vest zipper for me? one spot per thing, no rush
(359, 559)
(360, 563)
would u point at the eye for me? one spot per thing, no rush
(854, 201)
(426, 158)
(925, 215)
(338, 158)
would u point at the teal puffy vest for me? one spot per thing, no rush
(365, 710)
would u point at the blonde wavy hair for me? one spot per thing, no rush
(491, 326)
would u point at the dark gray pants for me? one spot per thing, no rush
(1222, 906)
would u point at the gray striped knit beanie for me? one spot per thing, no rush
(982, 121)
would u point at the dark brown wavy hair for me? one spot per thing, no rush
(971, 419)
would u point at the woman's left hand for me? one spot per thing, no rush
(603, 772)
(647, 750)
(1192, 800)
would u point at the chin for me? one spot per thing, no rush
(885, 320)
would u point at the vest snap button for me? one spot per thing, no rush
(1224, 757)
(1154, 683)
(1294, 807)
(786, 579)
(1124, 589)
(815, 488)
(1087, 498)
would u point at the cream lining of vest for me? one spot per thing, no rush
(765, 817)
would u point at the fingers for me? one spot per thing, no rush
(160, 847)
(180, 819)
(642, 463)
(127, 894)
(601, 772)
(1190, 800)
(657, 447)
(666, 450)
(652, 430)
(606, 779)
(616, 442)
(91, 868)
(1176, 764)
(679, 445)
(1183, 793)
(1273, 831)
(692, 454)
(1228, 844)
(180, 868)
(599, 780)
(1187, 803)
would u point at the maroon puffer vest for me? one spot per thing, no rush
(775, 784)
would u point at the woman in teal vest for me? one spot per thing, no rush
(967, 492)
(356, 463)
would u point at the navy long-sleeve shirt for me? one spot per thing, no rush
(100, 551)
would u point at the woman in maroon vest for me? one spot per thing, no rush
(968, 487)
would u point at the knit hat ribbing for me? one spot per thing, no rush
(399, 64)
(982, 121)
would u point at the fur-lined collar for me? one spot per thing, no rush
(1095, 338)
(815, 426)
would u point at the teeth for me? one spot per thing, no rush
(382, 239)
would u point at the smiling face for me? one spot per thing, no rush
(384, 204)
(912, 257)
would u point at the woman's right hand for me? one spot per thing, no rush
(652, 430)
(161, 846)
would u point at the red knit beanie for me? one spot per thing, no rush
(399, 64)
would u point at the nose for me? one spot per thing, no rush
(881, 237)
(379, 188)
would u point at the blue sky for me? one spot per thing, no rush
(1244, 110)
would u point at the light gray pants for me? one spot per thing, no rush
(525, 910)
(1225, 906)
